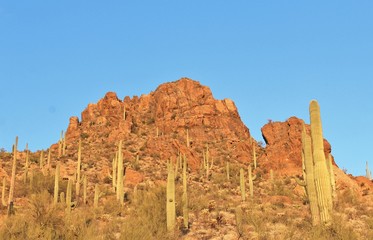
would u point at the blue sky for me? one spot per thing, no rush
(270, 57)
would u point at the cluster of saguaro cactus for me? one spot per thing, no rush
(170, 195)
(368, 172)
(319, 176)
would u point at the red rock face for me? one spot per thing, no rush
(284, 144)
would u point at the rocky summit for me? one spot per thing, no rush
(178, 164)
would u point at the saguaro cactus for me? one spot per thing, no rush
(309, 176)
(78, 167)
(13, 179)
(56, 181)
(254, 155)
(322, 177)
(170, 206)
(251, 181)
(85, 189)
(368, 172)
(64, 144)
(331, 174)
(25, 176)
(120, 190)
(242, 185)
(41, 160)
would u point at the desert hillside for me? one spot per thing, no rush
(176, 140)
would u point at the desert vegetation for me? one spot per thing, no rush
(157, 183)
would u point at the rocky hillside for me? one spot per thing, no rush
(181, 118)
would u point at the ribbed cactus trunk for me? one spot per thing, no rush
(13, 179)
(242, 185)
(322, 178)
(170, 205)
(309, 176)
(329, 163)
(56, 186)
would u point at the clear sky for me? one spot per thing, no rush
(270, 57)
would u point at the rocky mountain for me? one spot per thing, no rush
(182, 118)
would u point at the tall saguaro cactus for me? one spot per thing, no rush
(13, 179)
(120, 190)
(78, 167)
(322, 177)
(170, 205)
(254, 155)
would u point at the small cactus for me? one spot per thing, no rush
(368, 172)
